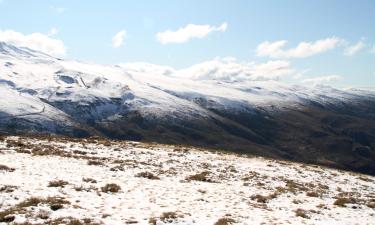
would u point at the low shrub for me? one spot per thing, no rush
(203, 176)
(148, 175)
(113, 188)
(57, 183)
(6, 168)
(225, 221)
(302, 213)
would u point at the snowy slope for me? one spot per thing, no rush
(45, 77)
(236, 189)
(138, 101)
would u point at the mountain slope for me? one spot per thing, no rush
(320, 125)
(96, 181)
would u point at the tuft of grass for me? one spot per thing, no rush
(153, 221)
(341, 202)
(294, 187)
(20, 208)
(371, 205)
(57, 183)
(302, 213)
(89, 180)
(117, 168)
(95, 163)
(113, 188)
(148, 175)
(202, 176)
(313, 194)
(15, 144)
(6, 168)
(166, 217)
(365, 179)
(225, 221)
(8, 188)
(66, 220)
(259, 198)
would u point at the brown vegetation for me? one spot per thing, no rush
(203, 176)
(148, 175)
(113, 188)
(225, 221)
(57, 183)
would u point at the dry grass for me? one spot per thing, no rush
(341, 202)
(365, 179)
(148, 175)
(95, 163)
(89, 180)
(202, 176)
(8, 188)
(295, 187)
(66, 220)
(225, 221)
(111, 188)
(166, 217)
(6, 168)
(15, 144)
(302, 213)
(313, 194)
(57, 183)
(260, 198)
(20, 208)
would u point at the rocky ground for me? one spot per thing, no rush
(96, 181)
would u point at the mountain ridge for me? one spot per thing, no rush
(323, 125)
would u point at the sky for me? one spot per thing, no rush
(311, 42)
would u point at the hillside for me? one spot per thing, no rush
(96, 181)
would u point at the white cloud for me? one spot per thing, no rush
(229, 69)
(188, 32)
(321, 79)
(118, 39)
(53, 31)
(303, 49)
(300, 74)
(219, 69)
(36, 41)
(353, 49)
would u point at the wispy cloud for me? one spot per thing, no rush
(188, 32)
(37, 41)
(229, 69)
(226, 69)
(303, 49)
(353, 49)
(321, 79)
(118, 39)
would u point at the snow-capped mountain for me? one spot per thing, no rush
(44, 94)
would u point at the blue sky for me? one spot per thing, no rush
(87, 28)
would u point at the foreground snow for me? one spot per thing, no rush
(157, 186)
